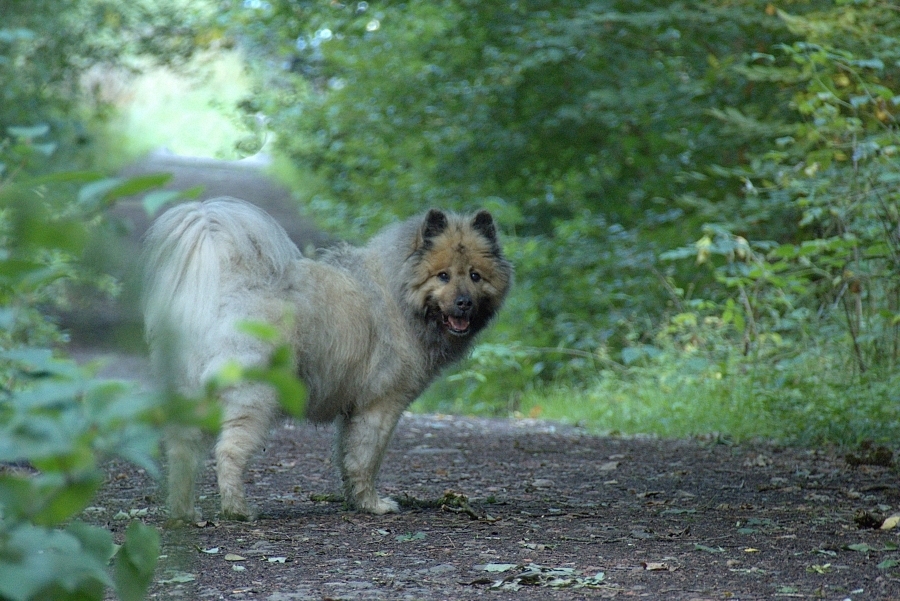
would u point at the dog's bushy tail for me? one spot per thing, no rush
(196, 256)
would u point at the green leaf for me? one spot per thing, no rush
(136, 561)
(154, 201)
(888, 564)
(137, 185)
(45, 149)
(28, 132)
(861, 547)
(96, 542)
(35, 227)
(291, 391)
(889, 177)
(69, 499)
(92, 194)
(41, 563)
(785, 251)
(66, 177)
(17, 496)
(260, 329)
(101, 193)
(406, 538)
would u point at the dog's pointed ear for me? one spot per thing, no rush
(483, 223)
(435, 222)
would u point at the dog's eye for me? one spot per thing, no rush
(444, 276)
(476, 277)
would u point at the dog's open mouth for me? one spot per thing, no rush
(458, 326)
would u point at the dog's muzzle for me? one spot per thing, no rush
(457, 321)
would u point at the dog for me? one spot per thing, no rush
(370, 327)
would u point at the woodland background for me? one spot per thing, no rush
(701, 199)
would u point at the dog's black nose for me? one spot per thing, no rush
(464, 302)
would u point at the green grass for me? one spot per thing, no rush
(796, 401)
(653, 405)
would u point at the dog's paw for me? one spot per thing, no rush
(238, 512)
(249, 516)
(380, 506)
(178, 523)
(183, 517)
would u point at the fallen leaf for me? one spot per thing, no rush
(277, 559)
(233, 557)
(759, 460)
(706, 549)
(891, 522)
(535, 575)
(533, 546)
(237, 568)
(888, 564)
(496, 567)
(211, 551)
(861, 547)
(406, 538)
(656, 566)
(819, 569)
(178, 578)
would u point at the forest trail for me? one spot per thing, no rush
(510, 509)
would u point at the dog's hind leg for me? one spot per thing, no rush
(362, 439)
(249, 410)
(184, 451)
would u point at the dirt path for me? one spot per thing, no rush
(522, 509)
(509, 509)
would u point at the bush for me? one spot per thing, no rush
(56, 421)
(585, 128)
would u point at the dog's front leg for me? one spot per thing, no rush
(362, 439)
(248, 416)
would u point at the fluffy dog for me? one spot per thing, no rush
(370, 327)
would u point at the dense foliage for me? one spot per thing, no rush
(57, 421)
(710, 181)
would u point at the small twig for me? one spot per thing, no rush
(854, 336)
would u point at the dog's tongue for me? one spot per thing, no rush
(459, 324)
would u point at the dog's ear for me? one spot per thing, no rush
(435, 223)
(483, 223)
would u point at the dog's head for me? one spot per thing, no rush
(461, 276)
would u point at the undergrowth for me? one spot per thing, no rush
(804, 400)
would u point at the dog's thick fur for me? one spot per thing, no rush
(371, 327)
